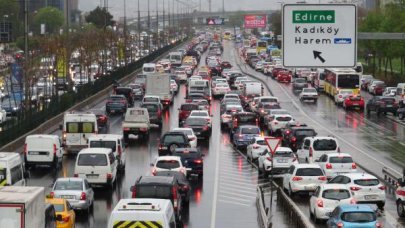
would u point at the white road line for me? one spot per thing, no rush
(228, 189)
(237, 203)
(238, 196)
(216, 180)
(240, 185)
(226, 175)
(236, 178)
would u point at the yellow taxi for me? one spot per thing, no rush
(65, 215)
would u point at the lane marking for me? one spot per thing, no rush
(237, 198)
(231, 202)
(216, 180)
(238, 184)
(236, 190)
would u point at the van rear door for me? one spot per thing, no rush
(73, 134)
(88, 128)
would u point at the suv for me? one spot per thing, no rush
(184, 185)
(127, 92)
(116, 104)
(296, 136)
(172, 140)
(313, 147)
(381, 104)
(155, 112)
(185, 110)
(192, 159)
(159, 187)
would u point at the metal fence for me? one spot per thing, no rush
(32, 118)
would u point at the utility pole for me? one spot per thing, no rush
(125, 32)
(26, 55)
(149, 29)
(139, 29)
(157, 24)
(164, 24)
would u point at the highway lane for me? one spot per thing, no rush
(224, 198)
(354, 132)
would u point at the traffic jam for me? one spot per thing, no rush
(91, 151)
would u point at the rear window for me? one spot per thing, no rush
(187, 155)
(283, 118)
(123, 91)
(150, 107)
(336, 194)
(92, 160)
(285, 154)
(246, 119)
(103, 144)
(300, 80)
(150, 99)
(268, 100)
(325, 144)
(150, 191)
(188, 107)
(203, 114)
(68, 185)
(355, 98)
(367, 182)
(358, 217)
(168, 164)
(148, 69)
(173, 139)
(388, 100)
(80, 127)
(196, 121)
(309, 172)
(305, 132)
(250, 131)
(340, 160)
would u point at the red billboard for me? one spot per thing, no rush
(255, 21)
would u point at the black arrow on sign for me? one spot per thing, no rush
(317, 54)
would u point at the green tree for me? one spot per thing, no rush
(100, 18)
(51, 17)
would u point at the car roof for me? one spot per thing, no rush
(356, 207)
(248, 126)
(191, 150)
(321, 137)
(334, 186)
(283, 149)
(104, 136)
(338, 155)
(301, 165)
(95, 150)
(358, 175)
(70, 179)
(155, 179)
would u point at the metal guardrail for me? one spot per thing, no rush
(391, 176)
(262, 212)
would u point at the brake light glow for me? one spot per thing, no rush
(65, 219)
(293, 139)
(382, 187)
(54, 149)
(354, 188)
(174, 192)
(322, 178)
(109, 176)
(296, 178)
(269, 159)
(64, 136)
(353, 201)
(319, 203)
(133, 192)
(52, 194)
(154, 171)
(126, 129)
(339, 225)
(328, 166)
(83, 196)
(198, 161)
(354, 166)
(311, 152)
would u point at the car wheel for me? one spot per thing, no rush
(400, 209)
(401, 116)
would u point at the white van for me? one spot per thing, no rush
(77, 128)
(253, 89)
(146, 212)
(43, 150)
(97, 165)
(149, 68)
(400, 93)
(11, 169)
(314, 147)
(112, 141)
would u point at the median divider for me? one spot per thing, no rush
(52, 124)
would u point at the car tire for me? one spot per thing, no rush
(401, 209)
(381, 205)
(401, 116)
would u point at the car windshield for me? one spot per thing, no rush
(340, 159)
(92, 160)
(358, 217)
(68, 185)
(250, 130)
(196, 121)
(173, 139)
(261, 142)
(59, 207)
(283, 118)
(336, 194)
(309, 172)
(367, 182)
(168, 164)
(325, 144)
(103, 144)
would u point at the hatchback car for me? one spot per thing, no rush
(192, 159)
(381, 104)
(243, 135)
(256, 147)
(168, 163)
(279, 164)
(303, 178)
(185, 110)
(353, 216)
(116, 104)
(199, 125)
(336, 163)
(76, 191)
(353, 102)
(299, 84)
(341, 95)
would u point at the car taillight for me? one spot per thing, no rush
(287, 132)
(354, 166)
(198, 161)
(275, 122)
(126, 129)
(54, 149)
(293, 139)
(83, 196)
(205, 128)
(355, 188)
(328, 166)
(269, 159)
(296, 178)
(154, 171)
(25, 148)
(64, 135)
(52, 194)
(382, 187)
(109, 176)
(378, 224)
(240, 136)
(160, 147)
(339, 225)
(311, 153)
(76, 175)
(174, 192)
(353, 201)
(143, 129)
(338, 150)
(319, 203)
(322, 178)
(340, 96)
(65, 219)
(133, 192)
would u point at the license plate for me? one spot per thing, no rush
(370, 197)
(282, 160)
(197, 133)
(92, 176)
(309, 187)
(164, 148)
(389, 106)
(67, 197)
(33, 152)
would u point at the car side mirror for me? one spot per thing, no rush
(60, 127)
(59, 217)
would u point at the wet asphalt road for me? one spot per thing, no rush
(224, 198)
(374, 142)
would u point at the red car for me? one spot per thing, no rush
(379, 89)
(185, 110)
(284, 76)
(275, 71)
(353, 101)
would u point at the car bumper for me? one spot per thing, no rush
(79, 204)
(364, 199)
(295, 187)
(241, 143)
(321, 213)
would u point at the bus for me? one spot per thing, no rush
(341, 78)
(261, 46)
(227, 35)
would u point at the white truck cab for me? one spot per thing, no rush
(11, 169)
(314, 147)
(149, 68)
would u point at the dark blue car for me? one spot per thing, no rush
(244, 134)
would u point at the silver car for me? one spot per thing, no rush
(299, 84)
(75, 190)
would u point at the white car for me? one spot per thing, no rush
(259, 66)
(217, 81)
(277, 122)
(194, 77)
(174, 87)
(303, 178)
(230, 96)
(366, 188)
(226, 117)
(372, 85)
(390, 91)
(202, 114)
(256, 147)
(336, 163)
(313, 147)
(220, 89)
(190, 134)
(168, 163)
(341, 95)
(181, 75)
(3, 115)
(283, 158)
(309, 94)
(326, 198)
(273, 112)
(238, 81)
(202, 104)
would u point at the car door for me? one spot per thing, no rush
(113, 164)
(314, 198)
(89, 191)
(303, 152)
(88, 128)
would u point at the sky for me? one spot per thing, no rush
(116, 7)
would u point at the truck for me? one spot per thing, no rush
(22, 207)
(136, 122)
(159, 85)
(175, 58)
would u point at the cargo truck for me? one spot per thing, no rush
(159, 85)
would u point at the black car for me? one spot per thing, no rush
(116, 104)
(296, 136)
(215, 68)
(137, 90)
(243, 118)
(127, 92)
(172, 140)
(200, 127)
(161, 187)
(183, 184)
(380, 104)
(192, 159)
(155, 112)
